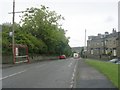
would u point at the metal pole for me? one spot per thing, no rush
(85, 41)
(13, 41)
(85, 49)
(85, 37)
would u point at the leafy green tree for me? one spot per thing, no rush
(6, 39)
(43, 24)
(40, 30)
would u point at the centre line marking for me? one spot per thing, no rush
(73, 77)
(71, 86)
(12, 75)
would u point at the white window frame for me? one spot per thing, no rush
(92, 51)
(114, 52)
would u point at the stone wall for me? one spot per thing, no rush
(9, 60)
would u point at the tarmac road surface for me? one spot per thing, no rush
(48, 74)
(64, 73)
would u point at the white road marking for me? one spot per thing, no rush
(75, 69)
(72, 82)
(71, 86)
(12, 75)
(73, 76)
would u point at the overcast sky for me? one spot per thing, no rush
(96, 16)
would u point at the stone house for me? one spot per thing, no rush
(118, 45)
(103, 45)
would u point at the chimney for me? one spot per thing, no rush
(99, 34)
(113, 31)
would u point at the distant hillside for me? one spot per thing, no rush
(77, 49)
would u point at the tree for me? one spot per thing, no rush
(43, 24)
(40, 31)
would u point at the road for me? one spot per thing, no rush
(48, 74)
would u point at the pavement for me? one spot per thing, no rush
(7, 65)
(89, 77)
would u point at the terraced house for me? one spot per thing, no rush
(103, 46)
(118, 47)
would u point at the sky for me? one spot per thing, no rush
(96, 16)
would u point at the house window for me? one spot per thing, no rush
(97, 43)
(106, 51)
(114, 52)
(102, 44)
(105, 42)
(91, 51)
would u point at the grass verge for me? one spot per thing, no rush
(110, 70)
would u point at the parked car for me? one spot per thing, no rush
(114, 60)
(62, 57)
(118, 62)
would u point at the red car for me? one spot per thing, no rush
(62, 57)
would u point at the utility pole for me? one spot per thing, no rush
(85, 49)
(13, 28)
(13, 40)
(85, 41)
